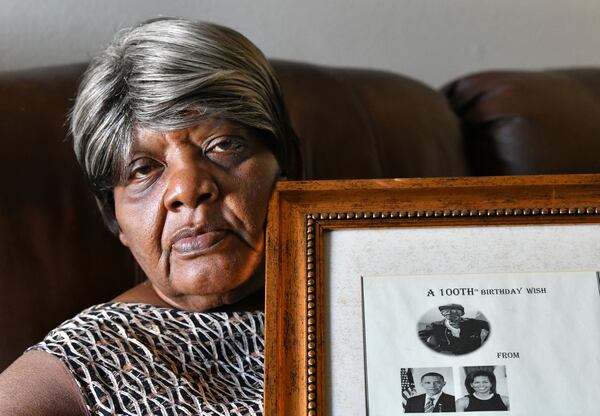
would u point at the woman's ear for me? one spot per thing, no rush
(115, 228)
(123, 239)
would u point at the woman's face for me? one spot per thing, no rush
(193, 208)
(481, 384)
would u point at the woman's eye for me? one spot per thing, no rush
(224, 145)
(142, 168)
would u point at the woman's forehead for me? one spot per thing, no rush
(147, 137)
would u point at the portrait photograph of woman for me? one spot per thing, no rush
(486, 387)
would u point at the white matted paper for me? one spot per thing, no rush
(351, 254)
(543, 329)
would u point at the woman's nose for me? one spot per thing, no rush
(189, 186)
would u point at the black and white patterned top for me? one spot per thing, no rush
(138, 359)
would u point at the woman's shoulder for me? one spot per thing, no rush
(504, 400)
(105, 320)
(462, 403)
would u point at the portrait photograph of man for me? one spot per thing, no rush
(432, 384)
(456, 333)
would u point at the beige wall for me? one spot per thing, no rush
(432, 40)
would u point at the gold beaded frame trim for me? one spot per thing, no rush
(321, 220)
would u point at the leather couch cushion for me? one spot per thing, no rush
(356, 123)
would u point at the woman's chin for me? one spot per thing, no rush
(205, 286)
(215, 286)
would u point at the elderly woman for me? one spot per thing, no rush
(481, 386)
(181, 131)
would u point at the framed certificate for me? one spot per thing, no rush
(434, 295)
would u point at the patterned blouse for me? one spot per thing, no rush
(138, 359)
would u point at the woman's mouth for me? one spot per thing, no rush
(197, 242)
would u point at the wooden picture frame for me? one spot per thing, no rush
(302, 213)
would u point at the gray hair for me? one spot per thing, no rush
(170, 74)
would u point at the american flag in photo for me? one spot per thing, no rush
(408, 385)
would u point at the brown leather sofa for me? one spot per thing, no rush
(56, 257)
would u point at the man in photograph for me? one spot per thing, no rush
(455, 334)
(434, 400)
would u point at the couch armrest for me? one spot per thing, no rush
(529, 122)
